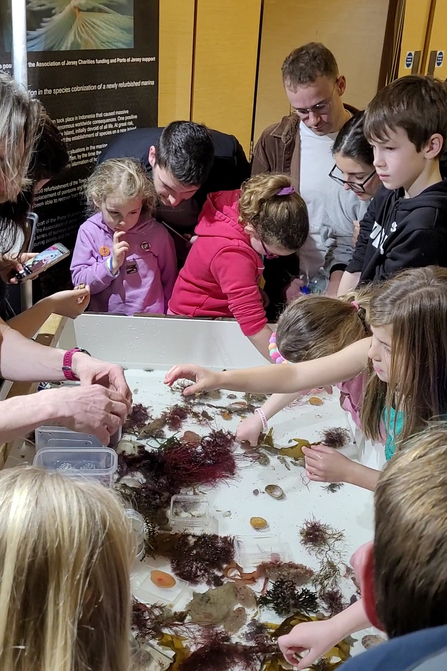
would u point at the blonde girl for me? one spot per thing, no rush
(124, 255)
(237, 230)
(65, 552)
(309, 328)
(406, 360)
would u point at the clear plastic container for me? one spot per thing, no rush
(138, 526)
(145, 590)
(250, 551)
(59, 436)
(92, 462)
(191, 513)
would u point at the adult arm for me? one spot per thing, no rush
(93, 409)
(366, 226)
(87, 266)
(348, 282)
(338, 367)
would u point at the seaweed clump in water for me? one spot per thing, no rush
(196, 558)
(318, 537)
(138, 417)
(219, 653)
(284, 599)
(177, 463)
(336, 437)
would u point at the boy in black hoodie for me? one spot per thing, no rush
(406, 223)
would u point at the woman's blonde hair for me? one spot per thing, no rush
(20, 123)
(279, 220)
(410, 542)
(65, 551)
(414, 304)
(315, 326)
(122, 178)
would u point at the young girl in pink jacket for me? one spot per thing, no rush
(236, 231)
(125, 256)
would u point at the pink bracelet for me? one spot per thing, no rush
(261, 413)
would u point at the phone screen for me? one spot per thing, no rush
(43, 260)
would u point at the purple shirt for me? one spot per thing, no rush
(146, 278)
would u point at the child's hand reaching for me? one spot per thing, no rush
(205, 380)
(324, 464)
(120, 249)
(315, 638)
(70, 303)
(249, 429)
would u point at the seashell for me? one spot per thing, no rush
(163, 579)
(314, 400)
(258, 523)
(372, 640)
(275, 492)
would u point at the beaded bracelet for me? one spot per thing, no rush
(261, 413)
(274, 352)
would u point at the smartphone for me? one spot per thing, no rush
(43, 261)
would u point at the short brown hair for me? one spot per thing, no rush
(278, 220)
(305, 64)
(315, 326)
(415, 103)
(410, 543)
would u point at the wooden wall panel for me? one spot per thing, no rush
(413, 35)
(225, 55)
(175, 60)
(436, 62)
(352, 29)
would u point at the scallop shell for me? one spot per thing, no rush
(275, 492)
(371, 640)
(258, 523)
(163, 579)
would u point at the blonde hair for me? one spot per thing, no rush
(315, 326)
(20, 122)
(414, 304)
(65, 550)
(279, 220)
(123, 178)
(410, 543)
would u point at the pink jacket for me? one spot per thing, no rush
(220, 276)
(146, 278)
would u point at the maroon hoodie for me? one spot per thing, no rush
(221, 274)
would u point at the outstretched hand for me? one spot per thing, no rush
(324, 464)
(204, 379)
(313, 638)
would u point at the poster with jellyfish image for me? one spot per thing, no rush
(94, 65)
(70, 25)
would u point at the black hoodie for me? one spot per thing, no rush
(398, 232)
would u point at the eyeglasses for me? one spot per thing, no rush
(357, 187)
(319, 109)
(267, 254)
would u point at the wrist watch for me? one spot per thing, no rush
(66, 363)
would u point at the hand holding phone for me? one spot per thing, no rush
(42, 261)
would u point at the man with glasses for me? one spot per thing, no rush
(301, 145)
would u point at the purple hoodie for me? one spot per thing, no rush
(145, 279)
